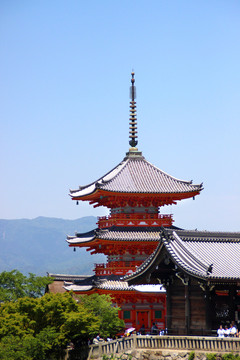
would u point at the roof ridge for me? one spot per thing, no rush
(208, 232)
(170, 176)
(121, 166)
(145, 263)
(97, 181)
(191, 253)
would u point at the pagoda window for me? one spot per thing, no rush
(158, 314)
(127, 314)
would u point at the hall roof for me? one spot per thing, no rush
(136, 175)
(210, 256)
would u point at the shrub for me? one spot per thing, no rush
(211, 356)
(230, 357)
(191, 355)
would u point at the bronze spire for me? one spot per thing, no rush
(133, 119)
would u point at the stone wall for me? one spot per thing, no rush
(150, 354)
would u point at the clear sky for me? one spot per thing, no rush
(65, 77)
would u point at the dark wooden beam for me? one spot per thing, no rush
(187, 309)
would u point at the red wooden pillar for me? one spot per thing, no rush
(151, 316)
(134, 316)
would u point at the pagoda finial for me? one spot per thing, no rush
(133, 119)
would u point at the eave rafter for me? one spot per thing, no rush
(108, 247)
(133, 296)
(114, 200)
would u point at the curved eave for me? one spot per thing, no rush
(132, 290)
(135, 175)
(208, 278)
(115, 286)
(221, 280)
(89, 189)
(97, 241)
(74, 240)
(78, 288)
(86, 194)
(97, 194)
(189, 271)
(185, 259)
(150, 289)
(119, 286)
(117, 235)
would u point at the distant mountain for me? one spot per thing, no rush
(39, 246)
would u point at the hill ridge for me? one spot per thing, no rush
(39, 245)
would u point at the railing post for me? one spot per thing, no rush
(99, 349)
(134, 341)
(115, 347)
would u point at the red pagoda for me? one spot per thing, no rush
(134, 191)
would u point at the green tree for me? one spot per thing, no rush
(34, 328)
(43, 345)
(14, 285)
(12, 348)
(44, 326)
(102, 307)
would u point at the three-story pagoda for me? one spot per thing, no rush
(134, 191)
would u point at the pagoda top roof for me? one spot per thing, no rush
(209, 256)
(136, 175)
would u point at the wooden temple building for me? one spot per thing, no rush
(200, 271)
(134, 192)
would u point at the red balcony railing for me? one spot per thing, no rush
(116, 267)
(135, 220)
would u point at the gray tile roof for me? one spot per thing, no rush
(205, 255)
(67, 277)
(185, 258)
(137, 175)
(130, 233)
(220, 250)
(118, 233)
(206, 236)
(123, 286)
(115, 285)
(73, 287)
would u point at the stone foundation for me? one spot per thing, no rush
(150, 354)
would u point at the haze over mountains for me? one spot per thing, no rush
(38, 246)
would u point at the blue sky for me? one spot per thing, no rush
(65, 77)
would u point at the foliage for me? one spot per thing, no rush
(35, 327)
(191, 356)
(115, 357)
(15, 285)
(40, 328)
(12, 348)
(102, 307)
(230, 356)
(211, 356)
